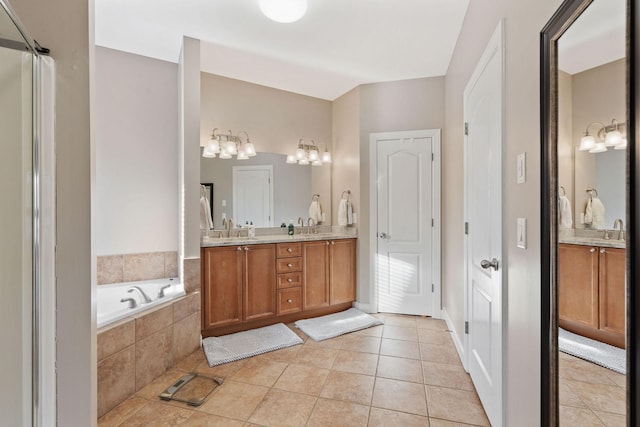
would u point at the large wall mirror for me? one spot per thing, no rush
(589, 370)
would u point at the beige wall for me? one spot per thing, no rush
(64, 26)
(523, 21)
(566, 139)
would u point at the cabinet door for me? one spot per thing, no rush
(260, 282)
(342, 271)
(315, 272)
(578, 284)
(612, 290)
(222, 286)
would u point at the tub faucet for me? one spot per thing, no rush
(132, 302)
(144, 297)
(161, 292)
(621, 233)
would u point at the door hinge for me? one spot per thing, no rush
(432, 157)
(466, 128)
(433, 287)
(466, 228)
(432, 222)
(466, 327)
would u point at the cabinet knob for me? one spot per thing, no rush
(327, 243)
(289, 280)
(289, 301)
(333, 243)
(603, 251)
(592, 250)
(289, 250)
(239, 248)
(289, 265)
(246, 248)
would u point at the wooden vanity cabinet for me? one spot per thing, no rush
(342, 271)
(591, 292)
(329, 274)
(239, 284)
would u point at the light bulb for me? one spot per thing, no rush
(613, 138)
(230, 147)
(249, 149)
(283, 11)
(206, 152)
(326, 157)
(587, 143)
(300, 153)
(313, 155)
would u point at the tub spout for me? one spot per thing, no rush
(144, 297)
(132, 302)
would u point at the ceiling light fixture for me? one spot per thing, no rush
(308, 154)
(283, 11)
(607, 136)
(227, 145)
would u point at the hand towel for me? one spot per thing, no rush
(588, 212)
(349, 213)
(342, 212)
(597, 209)
(315, 211)
(206, 223)
(564, 210)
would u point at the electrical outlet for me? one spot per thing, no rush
(521, 233)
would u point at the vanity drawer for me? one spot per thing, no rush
(289, 300)
(288, 280)
(286, 250)
(287, 265)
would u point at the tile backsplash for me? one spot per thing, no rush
(135, 267)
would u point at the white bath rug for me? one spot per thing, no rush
(229, 348)
(333, 325)
(602, 354)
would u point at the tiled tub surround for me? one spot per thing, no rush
(135, 267)
(136, 350)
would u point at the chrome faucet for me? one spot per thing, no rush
(161, 292)
(621, 232)
(301, 223)
(132, 302)
(144, 297)
(310, 223)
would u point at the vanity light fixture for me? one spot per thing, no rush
(283, 11)
(607, 136)
(308, 154)
(227, 145)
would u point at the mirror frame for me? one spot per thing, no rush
(566, 14)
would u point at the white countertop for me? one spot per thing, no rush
(206, 242)
(593, 241)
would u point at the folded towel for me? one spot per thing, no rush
(597, 209)
(206, 223)
(315, 211)
(588, 212)
(342, 212)
(349, 213)
(564, 211)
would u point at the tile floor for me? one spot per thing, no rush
(405, 373)
(590, 395)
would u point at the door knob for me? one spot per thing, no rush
(384, 236)
(489, 264)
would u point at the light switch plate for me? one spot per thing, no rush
(521, 233)
(521, 168)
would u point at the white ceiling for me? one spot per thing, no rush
(337, 45)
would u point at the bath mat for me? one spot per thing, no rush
(602, 354)
(229, 348)
(333, 325)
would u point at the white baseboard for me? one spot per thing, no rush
(367, 308)
(457, 341)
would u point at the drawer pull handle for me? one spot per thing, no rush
(289, 280)
(327, 243)
(246, 248)
(289, 265)
(289, 301)
(289, 250)
(239, 248)
(592, 250)
(603, 251)
(333, 243)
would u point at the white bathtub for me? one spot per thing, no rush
(110, 308)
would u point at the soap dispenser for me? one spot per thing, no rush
(290, 232)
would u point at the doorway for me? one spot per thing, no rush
(406, 221)
(253, 195)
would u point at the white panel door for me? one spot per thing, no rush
(253, 195)
(483, 190)
(404, 226)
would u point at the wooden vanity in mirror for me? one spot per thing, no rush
(249, 285)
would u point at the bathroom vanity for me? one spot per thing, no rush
(591, 288)
(249, 283)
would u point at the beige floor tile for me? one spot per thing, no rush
(398, 368)
(431, 336)
(568, 397)
(259, 372)
(399, 348)
(583, 417)
(400, 320)
(443, 375)
(400, 333)
(431, 323)
(286, 355)
(283, 409)
(334, 343)
(157, 414)
(436, 422)
(399, 396)
(618, 379)
(120, 413)
(200, 419)
(374, 331)
(361, 343)
(192, 361)
(335, 413)
(235, 400)
(302, 379)
(455, 405)
(224, 371)
(386, 418)
(319, 357)
(581, 370)
(349, 387)
(439, 354)
(357, 363)
(600, 397)
(612, 420)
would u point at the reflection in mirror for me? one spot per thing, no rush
(293, 187)
(591, 184)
